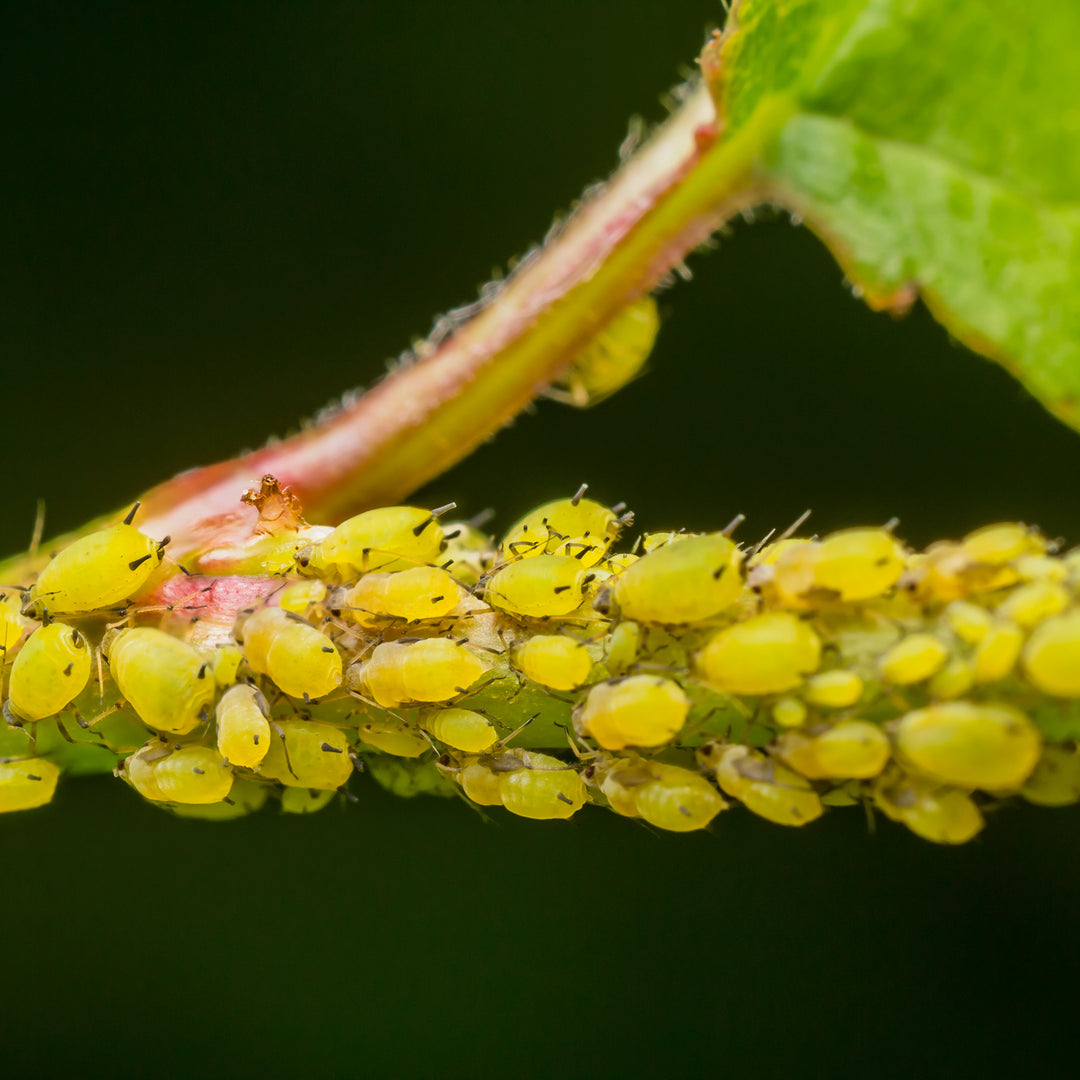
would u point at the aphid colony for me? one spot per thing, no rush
(667, 681)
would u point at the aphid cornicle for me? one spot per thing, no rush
(164, 679)
(97, 571)
(681, 583)
(50, 671)
(243, 731)
(578, 527)
(398, 673)
(543, 586)
(389, 538)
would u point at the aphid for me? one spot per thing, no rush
(97, 571)
(937, 813)
(394, 738)
(243, 731)
(762, 785)
(996, 655)
(462, 729)
(858, 564)
(765, 654)
(139, 769)
(50, 670)
(996, 545)
(12, 624)
(26, 783)
(1029, 604)
(554, 661)
(389, 538)
(677, 799)
(478, 781)
(164, 679)
(621, 647)
(913, 659)
(295, 800)
(542, 788)
(539, 587)
(613, 357)
(422, 592)
(789, 712)
(784, 571)
(193, 774)
(954, 680)
(835, 689)
(639, 710)
(301, 661)
(993, 747)
(1052, 655)
(1056, 779)
(226, 662)
(308, 753)
(245, 797)
(849, 750)
(681, 583)
(434, 669)
(968, 621)
(468, 553)
(299, 596)
(578, 528)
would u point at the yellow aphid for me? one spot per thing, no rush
(616, 564)
(303, 662)
(996, 655)
(243, 731)
(394, 738)
(849, 750)
(258, 631)
(467, 552)
(954, 680)
(26, 783)
(763, 786)
(537, 587)
(398, 673)
(613, 357)
(789, 712)
(12, 624)
(389, 538)
(1029, 604)
(937, 813)
(296, 800)
(619, 780)
(1041, 568)
(833, 689)
(913, 659)
(858, 564)
(422, 592)
(765, 654)
(994, 747)
(245, 797)
(139, 769)
(677, 799)
(996, 545)
(653, 540)
(621, 649)
(462, 729)
(162, 678)
(1056, 779)
(193, 774)
(226, 662)
(308, 753)
(50, 670)
(299, 596)
(1052, 655)
(790, 577)
(558, 662)
(578, 528)
(97, 571)
(969, 622)
(480, 783)
(544, 788)
(682, 583)
(639, 710)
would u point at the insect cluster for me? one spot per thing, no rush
(549, 671)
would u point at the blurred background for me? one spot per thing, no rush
(215, 219)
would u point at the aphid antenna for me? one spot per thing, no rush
(39, 528)
(279, 731)
(131, 513)
(579, 494)
(794, 527)
(733, 524)
(637, 544)
(626, 519)
(891, 524)
(501, 744)
(760, 544)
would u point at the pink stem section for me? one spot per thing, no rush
(428, 415)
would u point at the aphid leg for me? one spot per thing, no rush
(39, 528)
(280, 733)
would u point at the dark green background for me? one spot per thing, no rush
(217, 217)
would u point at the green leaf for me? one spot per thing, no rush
(935, 148)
